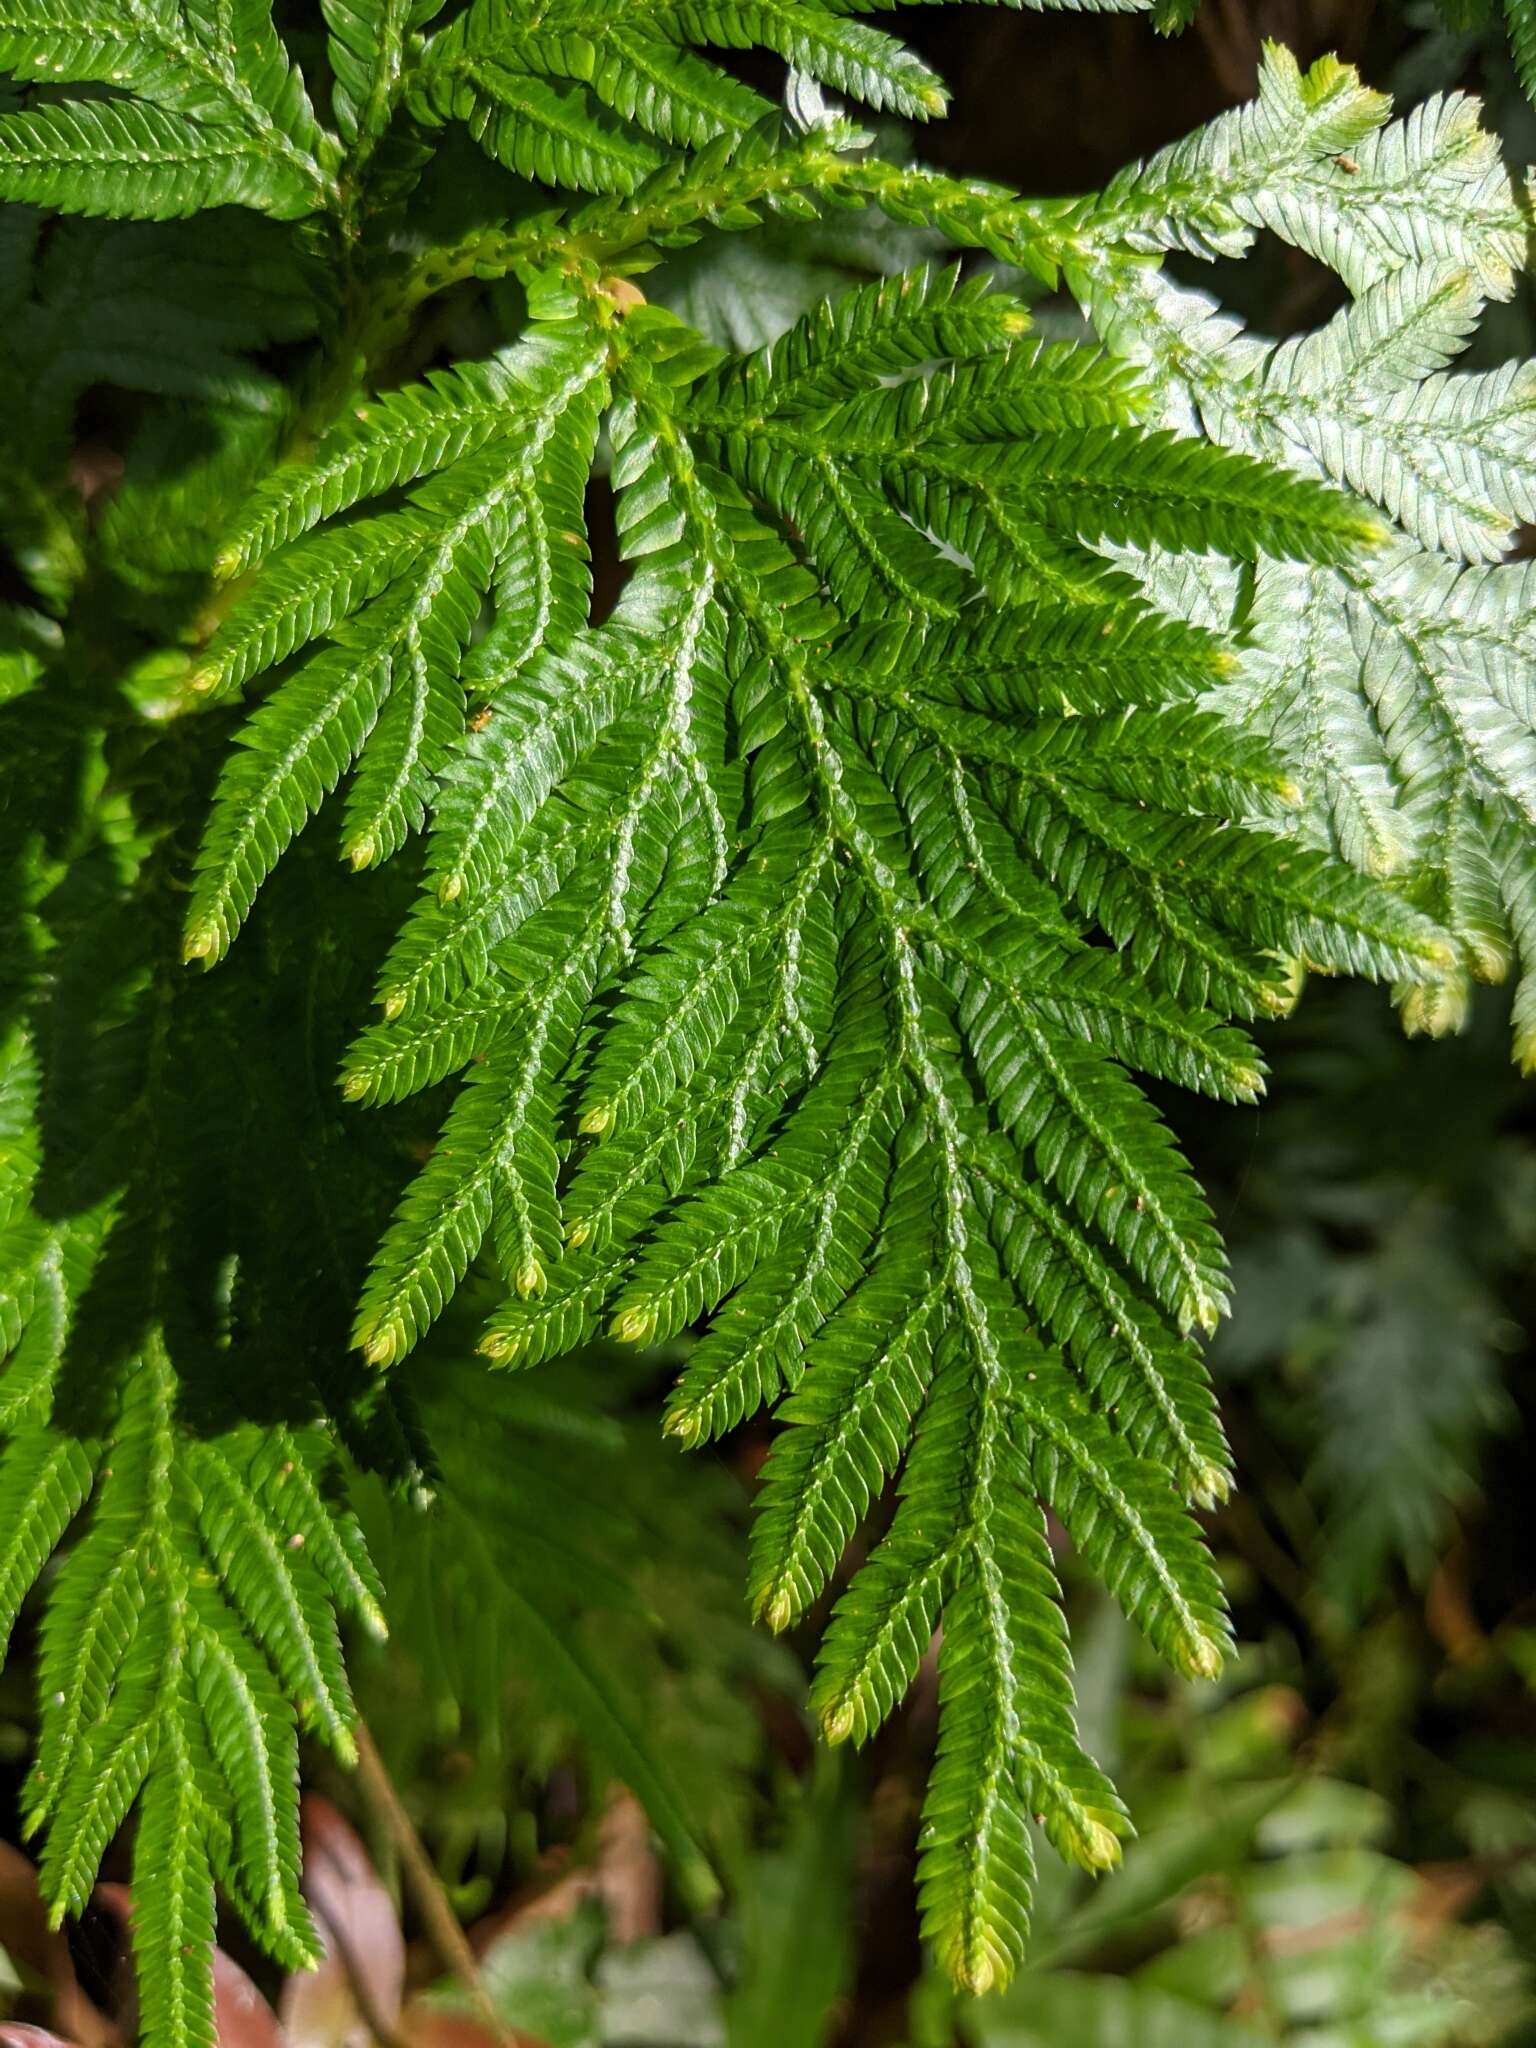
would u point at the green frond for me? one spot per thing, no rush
(1521, 20)
(495, 1164)
(799, 1025)
(846, 55)
(977, 1866)
(999, 1668)
(408, 434)
(1096, 1144)
(175, 1915)
(1151, 1378)
(887, 330)
(306, 590)
(637, 62)
(1015, 454)
(293, 753)
(526, 1331)
(390, 1061)
(188, 1632)
(985, 725)
(669, 92)
(366, 47)
(134, 162)
(219, 116)
(274, 1588)
(253, 1742)
(554, 133)
(281, 1476)
(848, 1426)
(1128, 1522)
(389, 689)
(1390, 691)
(44, 1481)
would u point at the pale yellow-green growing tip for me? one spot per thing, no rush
(1202, 1312)
(933, 100)
(225, 563)
(1368, 532)
(363, 852)
(1282, 1000)
(502, 1347)
(394, 1003)
(637, 1326)
(839, 1723)
(1436, 1009)
(977, 1977)
(577, 1231)
(199, 944)
(597, 1121)
(354, 1087)
(529, 1278)
(1209, 1485)
(1094, 1846)
(450, 888)
(206, 678)
(779, 1613)
(1199, 1657)
(687, 1425)
(382, 1348)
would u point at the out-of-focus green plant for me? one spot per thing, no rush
(1384, 1228)
(560, 1582)
(1265, 1901)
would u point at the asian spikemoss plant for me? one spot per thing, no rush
(769, 952)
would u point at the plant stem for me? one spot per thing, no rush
(441, 1922)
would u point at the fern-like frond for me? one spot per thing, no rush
(1398, 693)
(1311, 160)
(218, 115)
(1521, 21)
(189, 1634)
(367, 49)
(505, 456)
(558, 93)
(983, 726)
(800, 929)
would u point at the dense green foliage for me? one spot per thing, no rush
(985, 719)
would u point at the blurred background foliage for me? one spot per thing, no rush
(583, 1755)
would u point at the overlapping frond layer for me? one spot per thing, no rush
(505, 456)
(367, 49)
(799, 930)
(1399, 690)
(986, 724)
(589, 96)
(195, 1568)
(189, 1634)
(208, 110)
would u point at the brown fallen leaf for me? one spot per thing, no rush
(43, 1952)
(242, 2018)
(353, 1999)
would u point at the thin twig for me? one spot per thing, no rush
(438, 1917)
